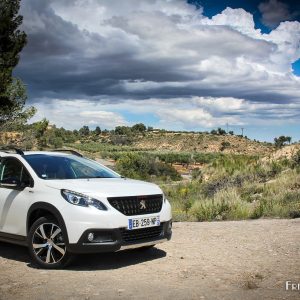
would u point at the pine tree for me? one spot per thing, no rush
(12, 90)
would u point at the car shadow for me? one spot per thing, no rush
(89, 262)
(14, 252)
(116, 260)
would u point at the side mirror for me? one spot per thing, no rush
(11, 183)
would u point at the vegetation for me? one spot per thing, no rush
(219, 131)
(222, 186)
(239, 188)
(282, 140)
(138, 166)
(224, 145)
(217, 185)
(114, 152)
(12, 90)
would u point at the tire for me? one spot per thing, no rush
(47, 244)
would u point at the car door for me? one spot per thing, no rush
(14, 200)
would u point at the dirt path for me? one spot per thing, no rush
(220, 260)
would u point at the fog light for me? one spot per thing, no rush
(90, 237)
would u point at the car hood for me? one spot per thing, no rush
(106, 187)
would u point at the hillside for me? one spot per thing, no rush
(199, 173)
(162, 141)
(201, 142)
(159, 141)
(286, 152)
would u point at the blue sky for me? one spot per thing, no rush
(296, 67)
(211, 8)
(172, 64)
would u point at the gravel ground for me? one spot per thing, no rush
(218, 260)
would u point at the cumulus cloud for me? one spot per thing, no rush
(176, 113)
(111, 53)
(274, 11)
(75, 113)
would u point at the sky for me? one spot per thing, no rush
(173, 64)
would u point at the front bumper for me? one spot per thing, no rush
(112, 240)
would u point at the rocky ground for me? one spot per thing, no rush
(218, 260)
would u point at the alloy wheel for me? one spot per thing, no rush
(48, 243)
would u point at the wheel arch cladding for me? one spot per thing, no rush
(43, 209)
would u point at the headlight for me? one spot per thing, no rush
(82, 200)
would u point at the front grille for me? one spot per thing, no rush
(137, 205)
(139, 235)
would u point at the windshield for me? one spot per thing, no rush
(67, 167)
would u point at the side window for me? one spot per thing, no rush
(12, 169)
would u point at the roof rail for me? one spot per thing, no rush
(8, 149)
(68, 150)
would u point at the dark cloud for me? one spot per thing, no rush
(65, 61)
(57, 62)
(275, 11)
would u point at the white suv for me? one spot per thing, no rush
(59, 204)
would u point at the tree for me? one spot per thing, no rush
(140, 127)
(221, 131)
(40, 127)
(97, 130)
(84, 131)
(280, 141)
(123, 130)
(12, 90)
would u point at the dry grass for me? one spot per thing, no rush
(252, 191)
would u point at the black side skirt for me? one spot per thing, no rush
(13, 238)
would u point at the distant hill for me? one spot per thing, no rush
(162, 141)
(201, 142)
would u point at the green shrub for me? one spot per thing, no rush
(197, 174)
(135, 165)
(296, 160)
(225, 205)
(224, 145)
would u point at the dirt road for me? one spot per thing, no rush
(220, 260)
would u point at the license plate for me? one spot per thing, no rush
(143, 222)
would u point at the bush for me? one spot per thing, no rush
(42, 143)
(226, 204)
(139, 166)
(296, 160)
(197, 174)
(224, 145)
(57, 142)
